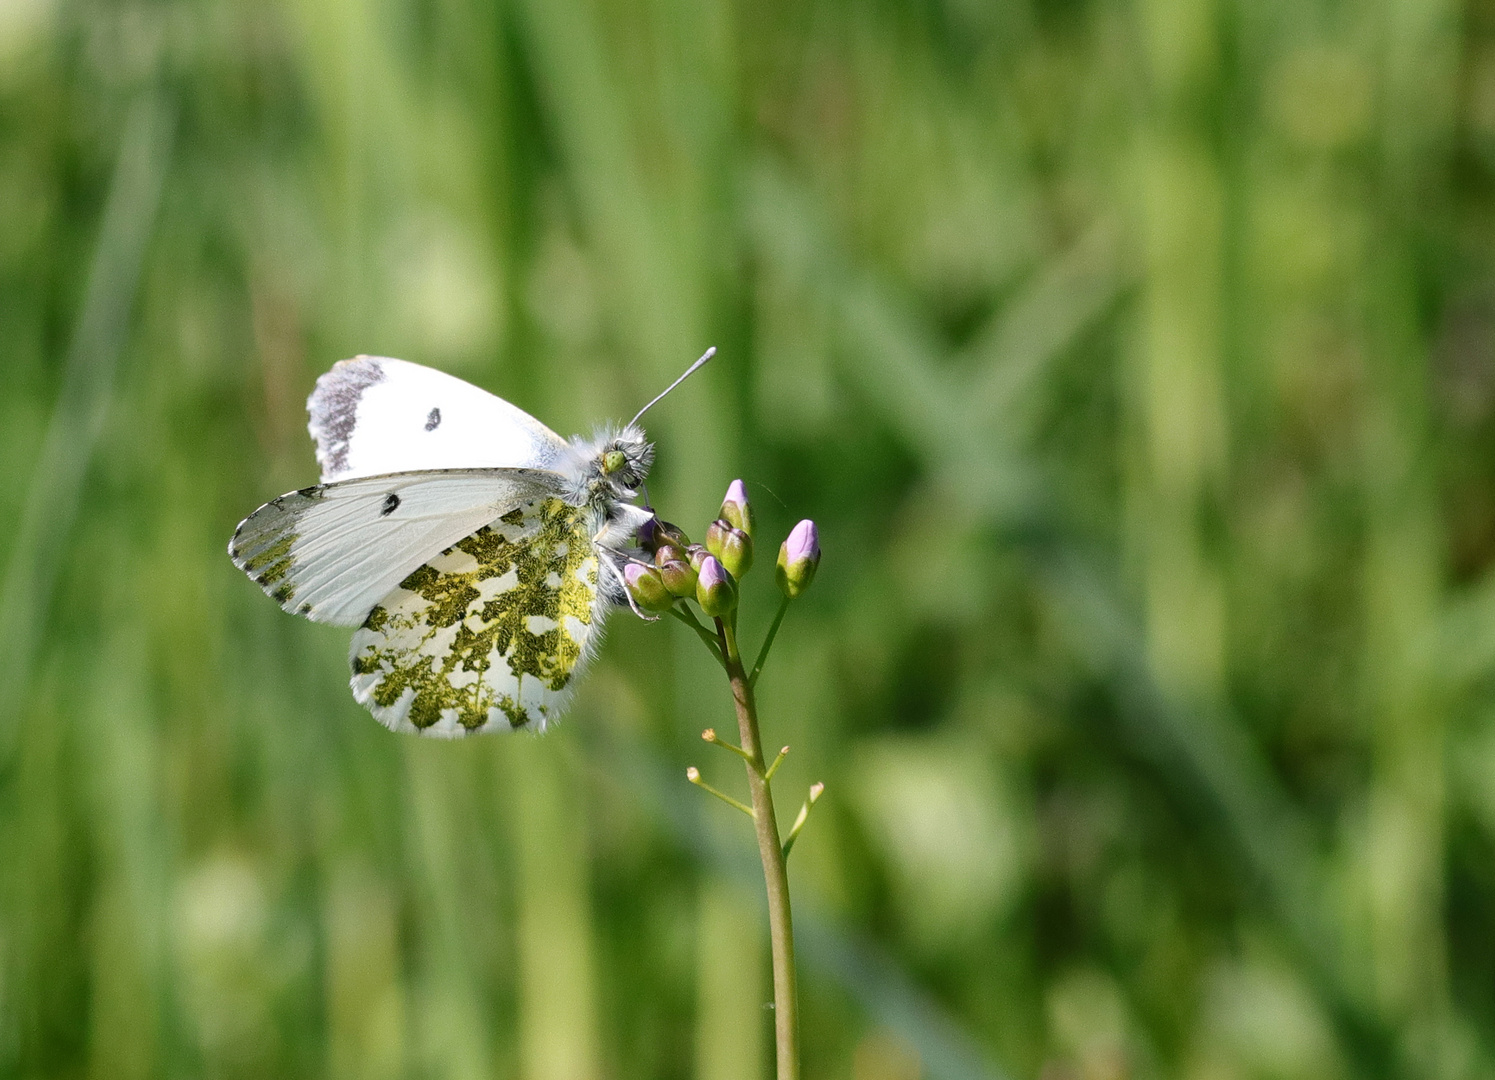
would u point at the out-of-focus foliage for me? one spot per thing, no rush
(1136, 358)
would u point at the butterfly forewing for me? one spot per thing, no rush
(333, 551)
(373, 415)
(489, 634)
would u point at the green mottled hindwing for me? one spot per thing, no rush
(488, 634)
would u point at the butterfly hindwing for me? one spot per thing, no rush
(489, 634)
(333, 551)
(373, 414)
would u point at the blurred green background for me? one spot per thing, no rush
(1136, 357)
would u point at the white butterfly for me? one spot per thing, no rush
(477, 551)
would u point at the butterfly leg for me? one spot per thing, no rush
(606, 556)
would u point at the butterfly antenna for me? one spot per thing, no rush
(707, 355)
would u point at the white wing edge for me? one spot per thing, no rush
(333, 551)
(373, 415)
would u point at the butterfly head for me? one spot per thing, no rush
(615, 463)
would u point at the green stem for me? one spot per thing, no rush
(694, 776)
(770, 850)
(705, 635)
(804, 816)
(773, 630)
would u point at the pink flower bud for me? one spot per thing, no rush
(736, 510)
(716, 592)
(799, 557)
(647, 587)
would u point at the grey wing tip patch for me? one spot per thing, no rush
(261, 547)
(333, 407)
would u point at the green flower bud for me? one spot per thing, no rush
(647, 587)
(716, 592)
(799, 558)
(732, 546)
(668, 552)
(736, 510)
(715, 532)
(695, 553)
(679, 578)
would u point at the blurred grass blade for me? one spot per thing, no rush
(894, 1001)
(890, 355)
(453, 1029)
(1210, 763)
(730, 984)
(52, 502)
(558, 1021)
(1015, 350)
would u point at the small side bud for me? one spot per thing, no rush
(647, 587)
(679, 578)
(799, 558)
(668, 552)
(732, 546)
(716, 592)
(736, 510)
(715, 532)
(695, 554)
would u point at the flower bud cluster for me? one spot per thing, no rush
(674, 569)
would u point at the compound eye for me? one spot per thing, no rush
(612, 461)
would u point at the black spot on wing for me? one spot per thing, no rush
(433, 418)
(391, 504)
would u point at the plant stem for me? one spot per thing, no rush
(773, 631)
(684, 615)
(775, 873)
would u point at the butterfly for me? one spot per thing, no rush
(476, 551)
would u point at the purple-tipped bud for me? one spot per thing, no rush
(679, 578)
(647, 587)
(799, 557)
(732, 546)
(696, 553)
(654, 532)
(648, 535)
(736, 510)
(716, 592)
